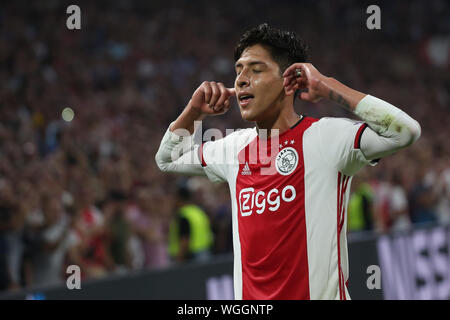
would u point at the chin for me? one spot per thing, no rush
(248, 116)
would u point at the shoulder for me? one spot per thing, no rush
(339, 122)
(331, 125)
(237, 134)
(333, 133)
(237, 138)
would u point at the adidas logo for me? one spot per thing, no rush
(246, 170)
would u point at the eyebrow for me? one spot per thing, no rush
(239, 65)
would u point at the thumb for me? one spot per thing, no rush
(231, 91)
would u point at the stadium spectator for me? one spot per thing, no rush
(439, 178)
(360, 207)
(148, 221)
(118, 231)
(53, 240)
(398, 205)
(90, 228)
(221, 221)
(190, 234)
(422, 199)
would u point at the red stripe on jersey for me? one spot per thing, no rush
(271, 218)
(200, 155)
(342, 214)
(341, 227)
(342, 187)
(361, 129)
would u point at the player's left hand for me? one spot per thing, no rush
(303, 76)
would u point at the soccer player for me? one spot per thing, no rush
(289, 202)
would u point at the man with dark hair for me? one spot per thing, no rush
(289, 199)
(284, 47)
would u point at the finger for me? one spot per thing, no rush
(207, 91)
(306, 72)
(291, 89)
(291, 79)
(215, 94)
(305, 96)
(293, 85)
(290, 76)
(290, 85)
(223, 95)
(226, 106)
(299, 83)
(223, 108)
(287, 80)
(291, 82)
(231, 91)
(288, 89)
(291, 69)
(303, 71)
(302, 83)
(288, 92)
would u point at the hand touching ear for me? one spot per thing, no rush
(304, 76)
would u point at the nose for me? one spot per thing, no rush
(242, 80)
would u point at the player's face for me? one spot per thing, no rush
(258, 84)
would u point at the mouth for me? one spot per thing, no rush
(245, 99)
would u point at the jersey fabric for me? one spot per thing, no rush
(289, 198)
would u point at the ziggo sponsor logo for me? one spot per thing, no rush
(248, 199)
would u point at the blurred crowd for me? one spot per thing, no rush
(88, 191)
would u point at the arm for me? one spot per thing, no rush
(210, 98)
(391, 128)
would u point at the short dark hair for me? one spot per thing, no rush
(284, 46)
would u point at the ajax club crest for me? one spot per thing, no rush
(286, 161)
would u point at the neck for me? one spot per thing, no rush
(281, 119)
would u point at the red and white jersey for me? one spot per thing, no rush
(289, 206)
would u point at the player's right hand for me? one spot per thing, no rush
(212, 98)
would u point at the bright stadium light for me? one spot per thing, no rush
(67, 114)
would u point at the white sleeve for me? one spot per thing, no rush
(340, 144)
(214, 160)
(178, 154)
(391, 129)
